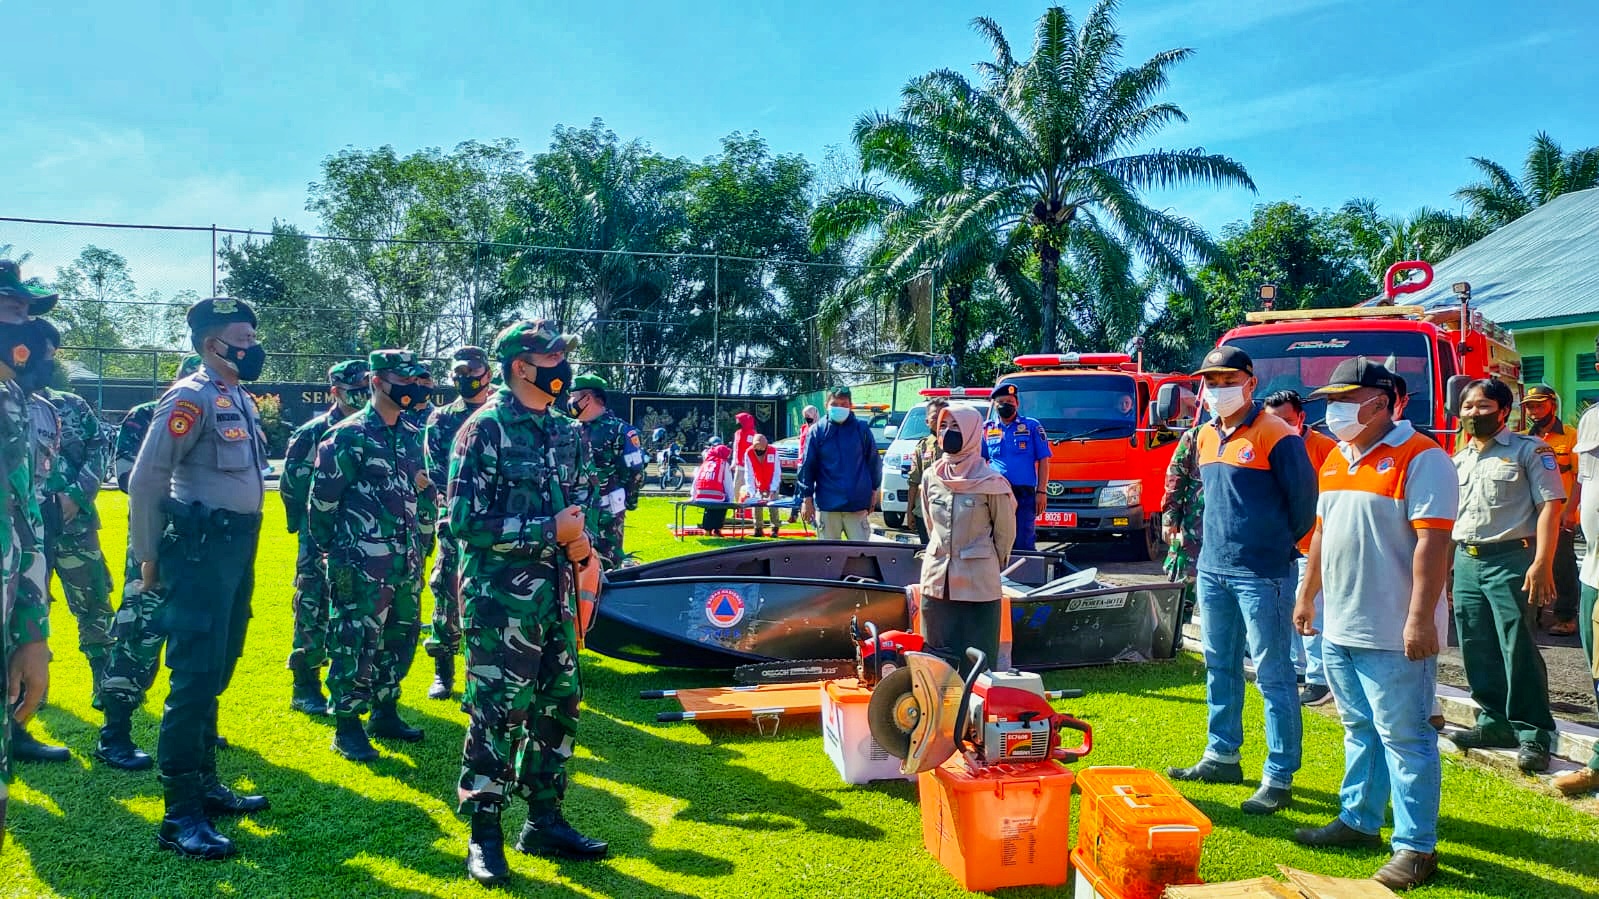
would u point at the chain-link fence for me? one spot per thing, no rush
(653, 324)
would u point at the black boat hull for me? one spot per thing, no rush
(789, 601)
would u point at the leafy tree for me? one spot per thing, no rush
(304, 309)
(1050, 146)
(96, 310)
(1549, 171)
(1427, 234)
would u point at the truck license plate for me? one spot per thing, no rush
(1058, 519)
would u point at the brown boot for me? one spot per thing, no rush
(1407, 869)
(1575, 783)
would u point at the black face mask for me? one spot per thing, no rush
(409, 397)
(247, 361)
(1482, 425)
(1006, 411)
(37, 374)
(952, 441)
(758, 452)
(470, 385)
(552, 380)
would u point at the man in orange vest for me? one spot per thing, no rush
(1540, 408)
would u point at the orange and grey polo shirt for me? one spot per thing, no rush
(1260, 496)
(1370, 510)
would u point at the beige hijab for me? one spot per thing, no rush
(967, 471)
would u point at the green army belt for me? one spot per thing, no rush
(1496, 548)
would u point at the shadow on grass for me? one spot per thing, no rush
(307, 843)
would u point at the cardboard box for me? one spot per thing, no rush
(1300, 885)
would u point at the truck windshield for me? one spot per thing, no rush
(1095, 406)
(1305, 361)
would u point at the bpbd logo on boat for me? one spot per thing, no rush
(724, 608)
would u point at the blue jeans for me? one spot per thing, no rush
(1389, 748)
(1310, 647)
(1240, 609)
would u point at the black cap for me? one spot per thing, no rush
(1227, 358)
(1004, 390)
(1358, 372)
(1540, 392)
(214, 311)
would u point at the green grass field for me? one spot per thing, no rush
(689, 812)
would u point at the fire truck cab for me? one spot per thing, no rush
(1107, 469)
(1436, 350)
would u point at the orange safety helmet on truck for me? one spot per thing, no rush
(1107, 467)
(1436, 351)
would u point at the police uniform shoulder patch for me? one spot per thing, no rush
(1548, 460)
(179, 423)
(188, 408)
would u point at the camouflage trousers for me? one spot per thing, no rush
(444, 638)
(373, 626)
(522, 696)
(86, 583)
(136, 641)
(608, 539)
(310, 647)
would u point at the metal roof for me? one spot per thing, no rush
(1544, 265)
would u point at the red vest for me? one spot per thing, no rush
(710, 482)
(762, 468)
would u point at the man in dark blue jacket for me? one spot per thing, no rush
(1260, 498)
(841, 474)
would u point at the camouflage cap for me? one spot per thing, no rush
(214, 311)
(467, 357)
(590, 382)
(402, 362)
(12, 286)
(190, 365)
(542, 336)
(351, 373)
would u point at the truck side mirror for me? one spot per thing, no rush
(1168, 405)
(891, 432)
(1454, 391)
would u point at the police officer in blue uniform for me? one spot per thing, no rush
(1017, 447)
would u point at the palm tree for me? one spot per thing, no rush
(1547, 173)
(1051, 160)
(1427, 234)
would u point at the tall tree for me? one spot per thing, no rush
(1548, 172)
(303, 308)
(1052, 145)
(97, 308)
(1430, 235)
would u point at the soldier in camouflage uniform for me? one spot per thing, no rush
(72, 485)
(469, 368)
(520, 480)
(24, 608)
(363, 514)
(1181, 519)
(349, 387)
(428, 516)
(136, 641)
(618, 453)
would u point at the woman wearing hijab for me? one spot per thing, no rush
(970, 511)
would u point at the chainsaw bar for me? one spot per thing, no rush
(794, 671)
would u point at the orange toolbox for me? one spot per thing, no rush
(1007, 826)
(1137, 832)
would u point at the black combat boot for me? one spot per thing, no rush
(25, 747)
(117, 748)
(308, 696)
(385, 723)
(485, 849)
(220, 800)
(350, 740)
(185, 829)
(547, 833)
(443, 677)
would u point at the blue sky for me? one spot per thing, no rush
(222, 112)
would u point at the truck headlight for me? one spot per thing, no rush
(1128, 493)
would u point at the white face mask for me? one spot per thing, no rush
(1343, 419)
(1224, 401)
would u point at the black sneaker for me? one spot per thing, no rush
(1477, 738)
(1268, 801)
(1315, 694)
(1336, 834)
(1210, 772)
(1532, 758)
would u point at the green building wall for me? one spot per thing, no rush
(1565, 355)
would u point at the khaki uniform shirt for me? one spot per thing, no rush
(1503, 487)
(969, 541)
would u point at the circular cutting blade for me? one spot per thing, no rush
(893, 712)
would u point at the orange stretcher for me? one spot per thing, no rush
(764, 703)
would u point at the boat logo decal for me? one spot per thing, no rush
(724, 607)
(1087, 603)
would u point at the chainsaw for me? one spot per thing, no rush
(924, 713)
(876, 656)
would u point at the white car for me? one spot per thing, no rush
(897, 460)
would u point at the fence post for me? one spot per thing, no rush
(99, 384)
(716, 342)
(213, 258)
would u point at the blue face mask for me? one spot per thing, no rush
(837, 414)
